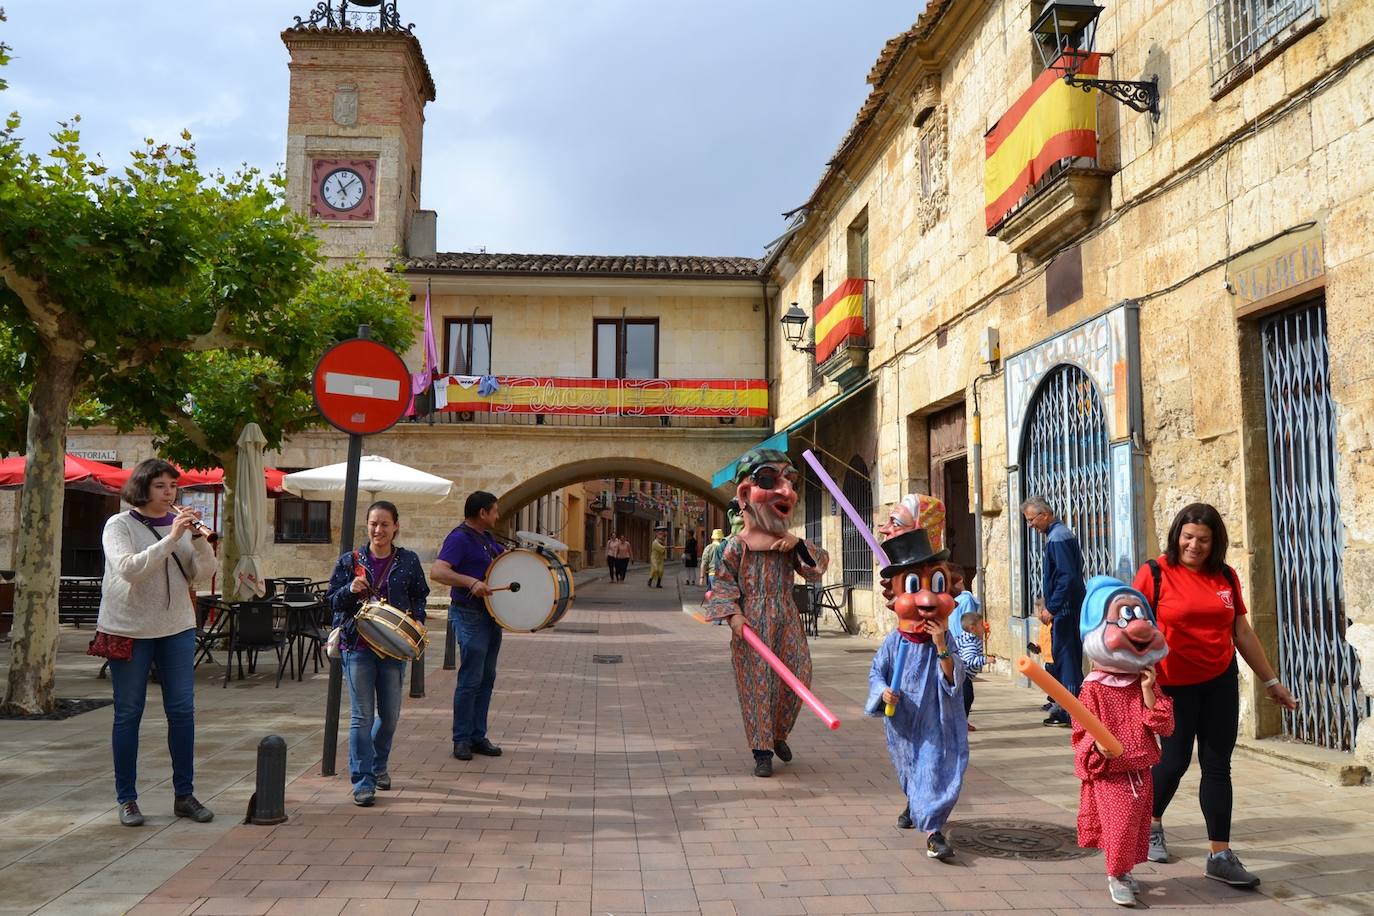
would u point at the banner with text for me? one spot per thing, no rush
(654, 397)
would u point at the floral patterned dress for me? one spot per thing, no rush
(759, 584)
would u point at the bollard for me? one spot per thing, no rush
(268, 804)
(417, 676)
(450, 647)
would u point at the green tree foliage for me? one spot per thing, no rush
(142, 285)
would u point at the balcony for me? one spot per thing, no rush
(1057, 211)
(842, 342)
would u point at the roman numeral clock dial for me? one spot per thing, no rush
(342, 189)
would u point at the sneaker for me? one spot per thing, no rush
(129, 815)
(365, 798)
(187, 806)
(763, 767)
(1121, 892)
(1046, 707)
(1052, 722)
(904, 819)
(485, 748)
(782, 750)
(972, 727)
(937, 847)
(462, 750)
(1132, 883)
(1225, 866)
(1158, 851)
(384, 781)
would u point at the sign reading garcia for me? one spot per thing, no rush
(361, 386)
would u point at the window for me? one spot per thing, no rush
(813, 505)
(817, 297)
(625, 348)
(856, 555)
(301, 521)
(927, 185)
(858, 262)
(1244, 34)
(467, 346)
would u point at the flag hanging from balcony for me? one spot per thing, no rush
(1051, 121)
(839, 317)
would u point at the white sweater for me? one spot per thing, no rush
(144, 594)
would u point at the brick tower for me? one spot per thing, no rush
(355, 129)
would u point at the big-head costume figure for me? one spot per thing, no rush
(927, 735)
(753, 585)
(1122, 641)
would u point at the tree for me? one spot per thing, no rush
(199, 402)
(109, 272)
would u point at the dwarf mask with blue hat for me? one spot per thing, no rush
(1118, 628)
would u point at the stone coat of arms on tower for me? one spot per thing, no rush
(346, 105)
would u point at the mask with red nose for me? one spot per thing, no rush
(921, 583)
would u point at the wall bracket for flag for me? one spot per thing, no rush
(1138, 95)
(1066, 36)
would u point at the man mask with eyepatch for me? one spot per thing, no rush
(766, 490)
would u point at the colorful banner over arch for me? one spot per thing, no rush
(629, 397)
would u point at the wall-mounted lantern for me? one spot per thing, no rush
(1066, 33)
(794, 329)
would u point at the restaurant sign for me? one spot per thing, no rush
(94, 454)
(1280, 271)
(654, 397)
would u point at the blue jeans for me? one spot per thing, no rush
(1067, 646)
(479, 642)
(374, 696)
(175, 659)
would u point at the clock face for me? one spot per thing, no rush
(343, 189)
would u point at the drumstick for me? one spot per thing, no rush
(513, 587)
(1091, 723)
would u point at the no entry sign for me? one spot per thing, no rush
(361, 386)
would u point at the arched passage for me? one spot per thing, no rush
(521, 494)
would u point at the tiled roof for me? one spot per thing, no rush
(469, 262)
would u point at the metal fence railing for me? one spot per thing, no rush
(1244, 33)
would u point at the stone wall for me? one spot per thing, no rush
(1213, 178)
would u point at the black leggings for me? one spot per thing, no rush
(1210, 714)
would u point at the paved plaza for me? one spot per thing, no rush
(624, 788)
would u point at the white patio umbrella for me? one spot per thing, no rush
(250, 514)
(378, 477)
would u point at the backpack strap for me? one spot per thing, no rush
(1156, 575)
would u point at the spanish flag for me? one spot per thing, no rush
(1051, 121)
(839, 317)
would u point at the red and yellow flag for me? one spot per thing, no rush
(1051, 121)
(839, 317)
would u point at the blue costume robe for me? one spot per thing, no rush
(928, 735)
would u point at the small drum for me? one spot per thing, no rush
(391, 632)
(544, 594)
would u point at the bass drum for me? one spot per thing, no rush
(545, 590)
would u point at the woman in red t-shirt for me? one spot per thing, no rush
(1198, 604)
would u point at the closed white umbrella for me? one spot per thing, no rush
(250, 513)
(378, 477)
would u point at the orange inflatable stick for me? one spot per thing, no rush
(1091, 723)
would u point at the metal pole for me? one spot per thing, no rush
(417, 676)
(450, 645)
(977, 459)
(349, 522)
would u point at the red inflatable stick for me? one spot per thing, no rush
(788, 678)
(1091, 723)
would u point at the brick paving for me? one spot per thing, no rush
(625, 788)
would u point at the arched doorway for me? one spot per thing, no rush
(1065, 459)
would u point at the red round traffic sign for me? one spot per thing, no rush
(361, 386)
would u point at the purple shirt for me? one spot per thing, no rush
(469, 552)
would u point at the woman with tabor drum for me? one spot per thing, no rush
(380, 571)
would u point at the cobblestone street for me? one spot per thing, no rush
(626, 788)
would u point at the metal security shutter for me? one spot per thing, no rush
(1315, 661)
(857, 557)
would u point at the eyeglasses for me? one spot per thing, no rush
(767, 477)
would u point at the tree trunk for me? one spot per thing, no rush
(33, 654)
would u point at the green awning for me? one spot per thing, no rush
(779, 440)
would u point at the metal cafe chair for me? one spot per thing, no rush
(252, 628)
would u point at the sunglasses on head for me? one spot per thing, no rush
(767, 477)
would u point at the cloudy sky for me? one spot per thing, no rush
(568, 126)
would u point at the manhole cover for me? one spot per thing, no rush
(66, 709)
(607, 659)
(566, 629)
(1017, 840)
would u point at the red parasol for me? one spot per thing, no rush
(78, 474)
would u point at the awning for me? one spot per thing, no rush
(779, 440)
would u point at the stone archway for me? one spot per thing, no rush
(525, 492)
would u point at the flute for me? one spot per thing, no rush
(200, 529)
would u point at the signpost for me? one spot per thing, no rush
(362, 388)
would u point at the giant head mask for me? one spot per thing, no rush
(766, 489)
(1118, 627)
(921, 580)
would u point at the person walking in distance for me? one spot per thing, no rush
(1063, 590)
(658, 554)
(462, 564)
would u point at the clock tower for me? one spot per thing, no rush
(355, 128)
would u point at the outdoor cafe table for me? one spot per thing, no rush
(302, 612)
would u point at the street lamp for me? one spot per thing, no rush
(794, 329)
(1066, 33)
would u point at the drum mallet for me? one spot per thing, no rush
(513, 587)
